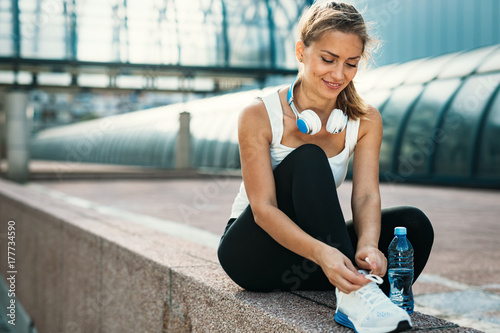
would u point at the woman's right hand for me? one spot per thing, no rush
(339, 269)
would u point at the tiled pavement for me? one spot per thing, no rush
(461, 282)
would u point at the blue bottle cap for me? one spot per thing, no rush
(400, 231)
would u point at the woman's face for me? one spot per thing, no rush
(330, 63)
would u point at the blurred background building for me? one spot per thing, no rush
(87, 59)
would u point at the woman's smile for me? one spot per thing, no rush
(333, 85)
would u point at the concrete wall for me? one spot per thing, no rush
(78, 271)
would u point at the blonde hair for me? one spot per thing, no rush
(333, 16)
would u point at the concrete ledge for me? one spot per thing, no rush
(79, 271)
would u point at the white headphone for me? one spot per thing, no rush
(308, 121)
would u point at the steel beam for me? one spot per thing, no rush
(16, 29)
(272, 42)
(66, 65)
(225, 36)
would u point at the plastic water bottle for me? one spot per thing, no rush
(401, 270)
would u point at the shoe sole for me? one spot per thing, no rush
(344, 320)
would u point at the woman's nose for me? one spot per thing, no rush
(337, 72)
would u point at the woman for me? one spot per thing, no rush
(287, 230)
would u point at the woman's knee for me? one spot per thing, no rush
(414, 219)
(306, 157)
(309, 151)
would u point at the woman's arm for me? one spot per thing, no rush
(255, 136)
(365, 200)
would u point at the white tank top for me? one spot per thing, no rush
(339, 163)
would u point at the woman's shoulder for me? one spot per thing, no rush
(370, 121)
(257, 108)
(253, 117)
(254, 111)
(372, 113)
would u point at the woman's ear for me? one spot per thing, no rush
(299, 50)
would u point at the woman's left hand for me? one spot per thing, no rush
(377, 261)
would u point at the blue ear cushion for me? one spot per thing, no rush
(302, 125)
(312, 121)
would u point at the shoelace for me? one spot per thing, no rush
(375, 278)
(371, 292)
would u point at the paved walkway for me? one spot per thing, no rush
(461, 282)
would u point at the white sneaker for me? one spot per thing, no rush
(369, 310)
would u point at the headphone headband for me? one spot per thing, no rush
(289, 98)
(308, 121)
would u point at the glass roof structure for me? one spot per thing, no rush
(439, 122)
(196, 32)
(439, 127)
(227, 32)
(209, 46)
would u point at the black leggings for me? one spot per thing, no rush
(306, 193)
